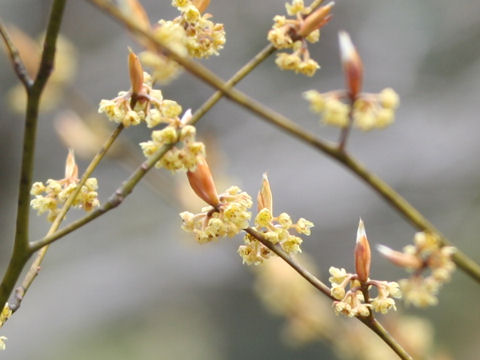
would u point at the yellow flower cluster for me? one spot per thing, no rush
(148, 106)
(352, 302)
(204, 38)
(277, 231)
(370, 111)
(50, 196)
(175, 159)
(293, 34)
(228, 218)
(192, 33)
(422, 291)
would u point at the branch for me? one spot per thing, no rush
(312, 279)
(18, 65)
(21, 251)
(466, 264)
(35, 267)
(378, 329)
(370, 321)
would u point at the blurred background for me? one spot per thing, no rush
(131, 285)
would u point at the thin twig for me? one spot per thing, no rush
(378, 328)
(369, 321)
(18, 65)
(35, 266)
(466, 264)
(342, 142)
(21, 251)
(312, 279)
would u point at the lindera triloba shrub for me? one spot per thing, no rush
(272, 240)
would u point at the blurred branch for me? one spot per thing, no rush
(35, 267)
(466, 264)
(378, 329)
(18, 65)
(21, 249)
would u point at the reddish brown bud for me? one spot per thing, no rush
(202, 183)
(398, 258)
(264, 197)
(362, 254)
(71, 168)
(201, 5)
(316, 19)
(352, 64)
(136, 72)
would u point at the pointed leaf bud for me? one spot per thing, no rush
(316, 19)
(352, 64)
(186, 117)
(71, 168)
(135, 10)
(202, 183)
(362, 254)
(136, 72)
(398, 258)
(264, 197)
(201, 5)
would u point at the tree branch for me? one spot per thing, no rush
(466, 264)
(21, 248)
(18, 65)
(370, 321)
(35, 267)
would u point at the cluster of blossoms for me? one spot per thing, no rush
(227, 214)
(185, 158)
(307, 319)
(352, 302)
(141, 102)
(50, 196)
(426, 254)
(367, 111)
(274, 229)
(4, 316)
(295, 33)
(356, 301)
(192, 33)
(204, 37)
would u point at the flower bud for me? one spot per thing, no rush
(352, 64)
(405, 260)
(316, 20)
(201, 5)
(362, 254)
(135, 10)
(136, 72)
(264, 197)
(202, 183)
(71, 168)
